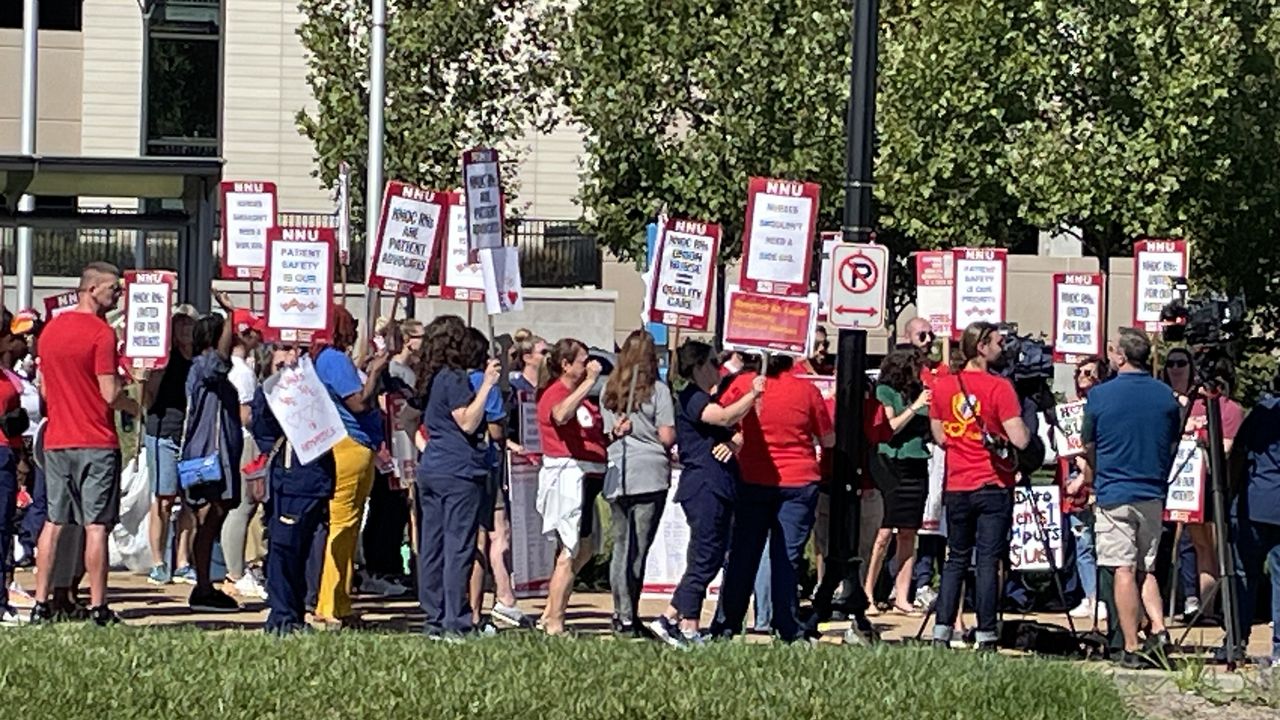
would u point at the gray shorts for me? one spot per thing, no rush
(83, 486)
(1128, 535)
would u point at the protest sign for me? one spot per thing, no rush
(935, 284)
(413, 221)
(530, 435)
(666, 562)
(777, 245)
(148, 305)
(55, 305)
(684, 273)
(1184, 501)
(1026, 542)
(1155, 265)
(299, 284)
(304, 409)
(979, 287)
(769, 323)
(533, 555)
(248, 212)
(829, 241)
(1071, 426)
(482, 187)
(1077, 316)
(404, 454)
(503, 291)
(460, 278)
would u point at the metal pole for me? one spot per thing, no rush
(30, 71)
(1226, 567)
(373, 177)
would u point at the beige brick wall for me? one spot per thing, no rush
(58, 93)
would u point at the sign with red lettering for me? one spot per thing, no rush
(299, 283)
(248, 212)
(413, 222)
(148, 306)
(935, 284)
(482, 186)
(304, 409)
(55, 305)
(979, 290)
(1077, 316)
(1155, 265)
(1184, 500)
(460, 278)
(777, 244)
(769, 323)
(684, 273)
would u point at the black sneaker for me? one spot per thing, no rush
(986, 646)
(1239, 656)
(102, 616)
(667, 631)
(1134, 661)
(1159, 644)
(41, 614)
(213, 601)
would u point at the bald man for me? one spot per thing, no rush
(919, 333)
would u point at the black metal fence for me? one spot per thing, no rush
(553, 253)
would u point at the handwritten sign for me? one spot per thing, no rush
(1156, 264)
(412, 224)
(979, 287)
(299, 283)
(935, 284)
(777, 248)
(1184, 501)
(304, 409)
(55, 305)
(769, 323)
(1077, 316)
(248, 212)
(1027, 539)
(503, 291)
(1071, 425)
(460, 279)
(687, 253)
(148, 305)
(482, 186)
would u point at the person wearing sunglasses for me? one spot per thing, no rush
(1077, 507)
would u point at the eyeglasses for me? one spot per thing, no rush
(1087, 374)
(1181, 363)
(925, 336)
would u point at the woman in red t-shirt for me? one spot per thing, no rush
(573, 467)
(778, 492)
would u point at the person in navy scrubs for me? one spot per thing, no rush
(451, 478)
(707, 443)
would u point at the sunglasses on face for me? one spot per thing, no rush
(1087, 374)
(1180, 363)
(925, 336)
(414, 337)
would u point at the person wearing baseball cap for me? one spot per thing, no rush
(249, 327)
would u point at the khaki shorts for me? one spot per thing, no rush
(1128, 535)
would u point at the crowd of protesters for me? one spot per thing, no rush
(232, 501)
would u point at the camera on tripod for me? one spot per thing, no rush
(1211, 320)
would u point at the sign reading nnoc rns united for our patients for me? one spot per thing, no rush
(148, 307)
(777, 244)
(299, 283)
(248, 211)
(686, 254)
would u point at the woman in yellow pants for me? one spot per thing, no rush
(357, 402)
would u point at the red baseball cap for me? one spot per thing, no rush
(245, 321)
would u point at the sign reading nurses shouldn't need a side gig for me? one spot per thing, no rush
(248, 212)
(777, 244)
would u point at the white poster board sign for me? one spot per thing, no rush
(460, 279)
(935, 284)
(668, 555)
(303, 407)
(1071, 427)
(299, 283)
(412, 223)
(248, 212)
(1156, 264)
(777, 249)
(1026, 542)
(148, 308)
(684, 273)
(829, 242)
(482, 187)
(1184, 501)
(503, 291)
(533, 555)
(979, 287)
(1077, 316)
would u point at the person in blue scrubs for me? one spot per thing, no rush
(476, 353)
(707, 443)
(451, 478)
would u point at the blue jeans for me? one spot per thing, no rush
(37, 513)
(762, 594)
(1086, 560)
(8, 511)
(162, 465)
(1257, 544)
(979, 520)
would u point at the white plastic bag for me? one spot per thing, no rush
(130, 544)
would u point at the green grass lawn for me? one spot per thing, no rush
(70, 673)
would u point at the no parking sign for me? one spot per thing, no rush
(859, 285)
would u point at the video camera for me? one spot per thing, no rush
(1028, 362)
(1212, 320)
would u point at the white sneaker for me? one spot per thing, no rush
(1102, 612)
(1083, 610)
(1190, 607)
(509, 616)
(249, 587)
(19, 598)
(10, 617)
(382, 587)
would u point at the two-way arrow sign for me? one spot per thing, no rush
(868, 311)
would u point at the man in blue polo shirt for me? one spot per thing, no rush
(1131, 429)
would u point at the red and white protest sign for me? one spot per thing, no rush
(413, 222)
(769, 323)
(55, 305)
(979, 293)
(248, 212)
(1184, 501)
(299, 283)
(935, 284)
(148, 306)
(1077, 316)
(684, 273)
(1071, 427)
(777, 244)
(1155, 265)
(482, 187)
(460, 278)
(828, 241)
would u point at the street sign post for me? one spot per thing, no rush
(859, 286)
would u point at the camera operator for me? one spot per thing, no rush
(976, 417)
(1131, 429)
(1256, 516)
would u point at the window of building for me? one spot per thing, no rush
(184, 78)
(54, 14)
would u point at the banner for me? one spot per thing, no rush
(979, 287)
(148, 306)
(299, 283)
(482, 187)
(935, 284)
(1155, 264)
(828, 241)
(533, 555)
(1070, 418)
(248, 212)
(777, 245)
(304, 409)
(55, 305)
(460, 279)
(670, 549)
(413, 221)
(685, 273)
(503, 290)
(769, 323)
(1026, 542)
(1077, 316)
(1185, 500)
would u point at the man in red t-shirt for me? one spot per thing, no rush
(81, 388)
(976, 418)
